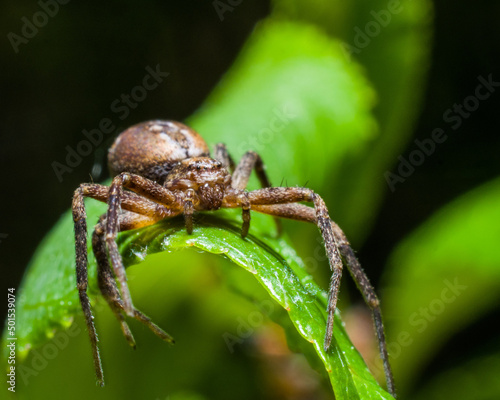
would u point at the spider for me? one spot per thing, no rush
(167, 170)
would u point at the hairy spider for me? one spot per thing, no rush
(167, 170)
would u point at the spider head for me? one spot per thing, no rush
(206, 176)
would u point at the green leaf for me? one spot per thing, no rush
(47, 299)
(274, 264)
(392, 41)
(292, 93)
(476, 379)
(49, 296)
(436, 273)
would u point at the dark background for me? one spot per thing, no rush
(65, 78)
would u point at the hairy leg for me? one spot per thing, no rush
(281, 195)
(295, 211)
(130, 201)
(221, 154)
(107, 283)
(80, 221)
(302, 212)
(166, 205)
(370, 297)
(189, 210)
(249, 162)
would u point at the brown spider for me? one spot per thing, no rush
(168, 171)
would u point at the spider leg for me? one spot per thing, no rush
(249, 162)
(189, 210)
(80, 221)
(221, 154)
(131, 202)
(364, 286)
(168, 205)
(245, 213)
(283, 195)
(295, 211)
(107, 283)
(302, 212)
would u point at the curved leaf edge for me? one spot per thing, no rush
(348, 374)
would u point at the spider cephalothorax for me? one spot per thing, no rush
(204, 179)
(167, 170)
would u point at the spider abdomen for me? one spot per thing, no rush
(151, 149)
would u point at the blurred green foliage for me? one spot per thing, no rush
(307, 86)
(444, 277)
(320, 108)
(392, 41)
